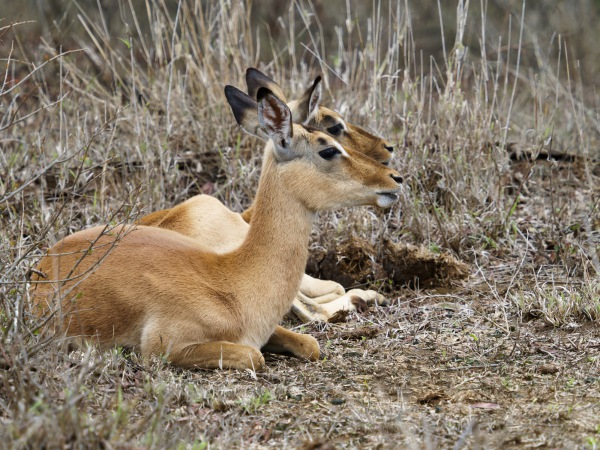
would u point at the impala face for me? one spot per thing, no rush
(335, 176)
(352, 136)
(308, 111)
(319, 171)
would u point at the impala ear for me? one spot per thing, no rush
(255, 79)
(245, 110)
(309, 102)
(275, 119)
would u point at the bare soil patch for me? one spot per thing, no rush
(356, 261)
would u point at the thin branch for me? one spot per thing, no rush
(30, 74)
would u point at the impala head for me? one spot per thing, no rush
(308, 111)
(312, 165)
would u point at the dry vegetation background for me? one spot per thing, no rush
(112, 109)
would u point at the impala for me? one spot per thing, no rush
(161, 292)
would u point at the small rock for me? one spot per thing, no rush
(547, 369)
(294, 393)
(318, 445)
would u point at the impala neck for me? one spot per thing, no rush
(276, 247)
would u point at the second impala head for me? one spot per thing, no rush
(307, 110)
(313, 166)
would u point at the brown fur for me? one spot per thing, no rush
(162, 292)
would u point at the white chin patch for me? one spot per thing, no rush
(386, 200)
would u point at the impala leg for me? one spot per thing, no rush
(217, 355)
(324, 308)
(313, 287)
(286, 342)
(324, 291)
(368, 296)
(178, 343)
(354, 300)
(325, 298)
(307, 310)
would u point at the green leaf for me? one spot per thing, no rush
(127, 42)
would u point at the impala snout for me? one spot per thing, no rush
(385, 197)
(395, 175)
(397, 178)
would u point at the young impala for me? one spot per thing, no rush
(164, 293)
(211, 223)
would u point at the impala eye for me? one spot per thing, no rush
(329, 153)
(336, 130)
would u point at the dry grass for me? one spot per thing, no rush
(498, 145)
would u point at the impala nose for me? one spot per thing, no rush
(397, 178)
(389, 148)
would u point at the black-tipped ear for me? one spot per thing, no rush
(309, 102)
(240, 103)
(245, 110)
(255, 79)
(275, 119)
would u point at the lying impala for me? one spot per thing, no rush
(164, 293)
(212, 224)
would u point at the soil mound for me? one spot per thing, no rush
(358, 262)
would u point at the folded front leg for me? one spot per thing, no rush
(185, 345)
(313, 287)
(307, 310)
(217, 355)
(325, 291)
(353, 300)
(286, 342)
(324, 308)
